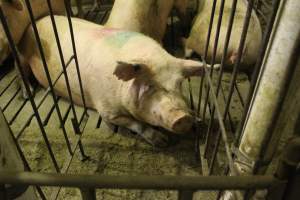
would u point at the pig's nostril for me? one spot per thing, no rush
(183, 124)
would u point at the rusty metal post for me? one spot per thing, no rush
(11, 160)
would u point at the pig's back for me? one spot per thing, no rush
(85, 45)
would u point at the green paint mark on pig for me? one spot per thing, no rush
(120, 38)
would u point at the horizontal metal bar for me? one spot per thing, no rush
(140, 182)
(8, 85)
(40, 103)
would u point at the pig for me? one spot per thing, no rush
(18, 19)
(146, 16)
(198, 36)
(128, 78)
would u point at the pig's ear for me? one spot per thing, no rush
(127, 71)
(192, 68)
(17, 4)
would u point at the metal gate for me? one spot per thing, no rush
(216, 136)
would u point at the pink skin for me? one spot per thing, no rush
(127, 77)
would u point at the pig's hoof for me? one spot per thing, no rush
(155, 138)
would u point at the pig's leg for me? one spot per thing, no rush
(26, 70)
(152, 136)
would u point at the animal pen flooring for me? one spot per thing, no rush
(113, 151)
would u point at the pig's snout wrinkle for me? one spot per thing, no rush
(183, 123)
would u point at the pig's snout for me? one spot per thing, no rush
(182, 122)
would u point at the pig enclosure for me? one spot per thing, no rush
(76, 141)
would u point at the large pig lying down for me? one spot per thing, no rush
(18, 19)
(127, 77)
(146, 16)
(198, 35)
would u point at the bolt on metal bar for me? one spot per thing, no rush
(62, 60)
(234, 76)
(8, 85)
(219, 83)
(35, 110)
(45, 66)
(261, 55)
(216, 42)
(205, 54)
(141, 182)
(67, 5)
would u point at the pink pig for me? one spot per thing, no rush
(127, 77)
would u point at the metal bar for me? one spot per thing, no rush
(47, 118)
(40, 103)
(35, 110)
(205, 53)
(11, 121)
(65, 117)
(235, 70)
(67, 3)
(24, 161)
(239, 94)
(227, 40)
(140, 182)
(88, 193)
(99, 122)
(47, 73)
(62, 60)
(222, 131)
(261, 55)
(216, 42)
(8, 85)
(68, 162)
(11, 99)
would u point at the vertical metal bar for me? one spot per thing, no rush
(62, 60)
(234, 76)
(42, 56)
(99, 122)
(88, 193)
(205, 53)
(227, 40)
(261, 55)
(185, 194)
(15, 53)
(214, 51)
(67, 3)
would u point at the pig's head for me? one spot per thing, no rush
(154, 93)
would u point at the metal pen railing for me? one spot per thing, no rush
(208, 91)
